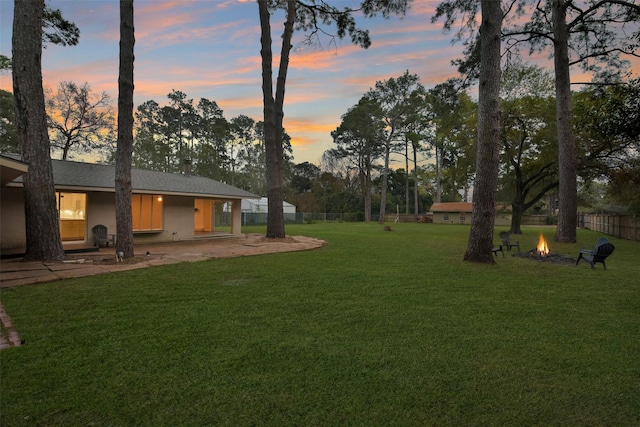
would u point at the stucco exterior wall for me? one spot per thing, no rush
(236, 218)
(12, 222)
(100, 210)
(179, 217)
(452, 217)
(178, 222)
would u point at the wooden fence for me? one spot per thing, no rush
(623, 226)
(538, 220)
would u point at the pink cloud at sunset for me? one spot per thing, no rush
(309, 125)
(303, 141)
(244, 105)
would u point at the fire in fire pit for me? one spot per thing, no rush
(543, 253)
(543, 247)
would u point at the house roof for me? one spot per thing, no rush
(10, 169)
(68, 175)
(452, 207)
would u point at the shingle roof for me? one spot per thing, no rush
(452, 207)
(98, 177)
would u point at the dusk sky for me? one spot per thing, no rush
(211, 49)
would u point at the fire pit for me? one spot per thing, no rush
(542, 253)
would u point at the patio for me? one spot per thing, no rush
(16, 272)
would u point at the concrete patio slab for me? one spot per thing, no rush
(16, 272)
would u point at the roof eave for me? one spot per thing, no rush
(153, 191)
(10, 169)
(71, 188)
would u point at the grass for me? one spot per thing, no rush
(376, 328)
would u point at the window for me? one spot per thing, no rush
(72, 208)
(446, 216)
(146, 212)
(463, 217)
(71, 205)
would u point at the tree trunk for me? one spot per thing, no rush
(367, 194)
(385, 181)
(274, 114)
(518, 201)
(124, 222)
(65, 150)
(366, 187)
(406, 177)
(517, 209)
(41, 217)
(480, 244)
(416, 210)
(438, 175)
(567, 158)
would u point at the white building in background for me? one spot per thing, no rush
(261, 206)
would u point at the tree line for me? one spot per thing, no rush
(431, 134)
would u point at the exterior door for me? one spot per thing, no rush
(203, 215)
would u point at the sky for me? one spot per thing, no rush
(211, 49)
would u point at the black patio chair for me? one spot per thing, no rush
(599, 253)
(101, 237)
(497, 249)
(507, 242)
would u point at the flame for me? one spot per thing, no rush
(543, 247)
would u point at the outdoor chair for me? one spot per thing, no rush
(507, 242)
(101, 237)
(599, 253)
(497, 249)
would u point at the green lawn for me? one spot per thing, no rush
(374, 329)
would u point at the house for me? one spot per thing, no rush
(452, 213)
(460, 213)
(165, 206)
(262, 206)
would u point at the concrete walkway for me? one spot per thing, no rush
(16, 272)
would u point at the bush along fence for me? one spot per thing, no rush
(622, 226)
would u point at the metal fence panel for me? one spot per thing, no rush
(260, 218)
